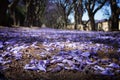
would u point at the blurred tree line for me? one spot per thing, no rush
(55, 13)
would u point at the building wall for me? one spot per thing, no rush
(104, 26)
(88, 27)
(101, 26)
(81, 27)
(70, 26)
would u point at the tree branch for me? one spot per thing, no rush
(13, 4)
(99, 7)
(93, 5)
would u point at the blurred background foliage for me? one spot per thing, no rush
(55, 13)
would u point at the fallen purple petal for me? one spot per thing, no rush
(41, 66)
(56, 50)
(114, 65)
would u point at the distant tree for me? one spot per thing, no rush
(3, 11)
(78, 12)
(51, 14)
(20, 14)
(65, 7)
(30, 11)
(12, 11)
(115, 13)
(92, 6)
(35, 12)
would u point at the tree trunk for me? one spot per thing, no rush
(30, 13)
(76, 20)
(114, 16)
(115, 22)
(92, 22)
(78, 8)
(76, 16)
(3, 8)
(65, 24)
(35, 11)
(12, 11)
(65, 20)
(92, 7)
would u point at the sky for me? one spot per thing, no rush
(98, 16)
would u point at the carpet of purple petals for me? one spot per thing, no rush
(50, 54)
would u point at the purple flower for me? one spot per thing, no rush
(114, 65)
(107, 71)
(1, 45)
(41, 66)
(28, 67)
(85, 54)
